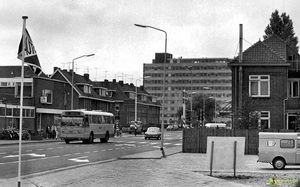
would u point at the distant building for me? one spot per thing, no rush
(210, 76)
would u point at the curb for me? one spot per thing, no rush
(139, 156)
(27, 142)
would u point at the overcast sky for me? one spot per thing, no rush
(62, 30)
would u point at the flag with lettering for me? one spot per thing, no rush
(31, 57)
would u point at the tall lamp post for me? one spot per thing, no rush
(191, 107)
(135, 103)
(164, 82)
(72, 90)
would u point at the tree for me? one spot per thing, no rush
(283, 27)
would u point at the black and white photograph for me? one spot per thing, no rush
(149, 93)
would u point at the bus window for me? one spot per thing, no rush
(86, 121)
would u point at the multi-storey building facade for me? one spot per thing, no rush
(210, 76)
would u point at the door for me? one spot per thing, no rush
(298, 150)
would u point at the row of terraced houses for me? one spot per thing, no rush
(45, 97)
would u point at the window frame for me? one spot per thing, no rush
(291, 88)
(259, 79)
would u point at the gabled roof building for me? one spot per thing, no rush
(265, 84)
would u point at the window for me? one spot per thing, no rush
(47, 96)
(293, 88)
(87, 89)
(287, 143)
(27, 89)
(144, 98)
(265, 120)
(259, 86)
(131, 95)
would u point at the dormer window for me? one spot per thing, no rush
(154, 99)
(144, 98)
(102, 92)
(87, 89)
(131, 95)
(109, 93)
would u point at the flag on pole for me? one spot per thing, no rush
(31, 57)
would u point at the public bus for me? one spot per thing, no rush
(86, 126)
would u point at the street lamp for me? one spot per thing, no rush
(135, 103)
(191, 107)
(72, 90)
(164, 82)
(191, 121)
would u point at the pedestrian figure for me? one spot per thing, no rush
(53, 131)
(48, 131)
(135, 128)
(120, 131)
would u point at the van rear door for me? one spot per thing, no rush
(298, 149)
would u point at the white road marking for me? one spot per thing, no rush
(3, 153)
(50, 148)
(95, 151)
(67, 154)
(40, 149)
(178, 144)
(79, 159)
(87, 152)
(77, 153)
(31, 154)
(103, 150)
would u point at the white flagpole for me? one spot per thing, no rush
(21, 100)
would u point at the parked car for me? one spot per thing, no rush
(185, 126)
(170, 127)
(175, 127)
(153, 132)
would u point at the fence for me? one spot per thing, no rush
(195, 140)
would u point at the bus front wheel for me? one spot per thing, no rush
(104, 140)
(67, 141)
(91, 138)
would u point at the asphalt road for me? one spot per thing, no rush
(40, 157)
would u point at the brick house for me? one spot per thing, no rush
(265, 84)
(148, 109)
(46, 97)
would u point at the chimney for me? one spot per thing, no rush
(55, 68)
(121, 83)
(86, 76)
(114, 80)
(241, 44)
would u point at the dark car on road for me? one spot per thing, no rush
(153, 132)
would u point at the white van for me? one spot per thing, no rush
(279, 149)
(215, 125)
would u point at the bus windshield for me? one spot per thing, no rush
(72, 121)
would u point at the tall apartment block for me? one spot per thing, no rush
(189, 74)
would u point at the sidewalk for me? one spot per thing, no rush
(144, 169)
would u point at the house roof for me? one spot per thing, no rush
(270, 51)
(79, 80)
(121, 89)
(15, 71)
